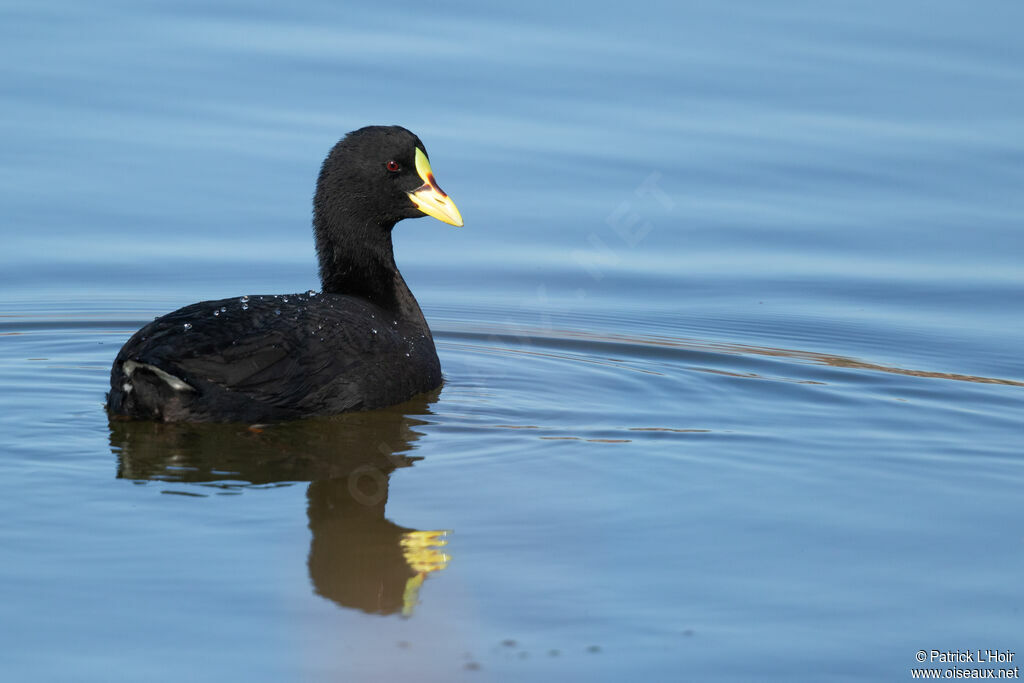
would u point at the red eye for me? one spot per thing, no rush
(393, 166)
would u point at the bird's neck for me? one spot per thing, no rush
(363, 265)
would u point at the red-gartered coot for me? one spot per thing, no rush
(361, 342)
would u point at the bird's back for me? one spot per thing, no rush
(271, 357)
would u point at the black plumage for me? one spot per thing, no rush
(362, 342)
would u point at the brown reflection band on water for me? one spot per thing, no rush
(357, 558)
(506, 351)
(549, 336)
(580, 438)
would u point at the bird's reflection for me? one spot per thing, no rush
(357, 557)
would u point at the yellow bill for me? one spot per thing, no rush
(431, 199)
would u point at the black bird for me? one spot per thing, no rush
(360, 343)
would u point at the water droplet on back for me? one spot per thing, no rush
(277, 311)
(244, 299)
(245, 307)
(311, 293)
(187, 326)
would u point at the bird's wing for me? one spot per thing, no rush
(280, 356)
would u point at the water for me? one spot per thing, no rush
(732, 342)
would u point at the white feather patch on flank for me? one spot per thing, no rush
(176, 383)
